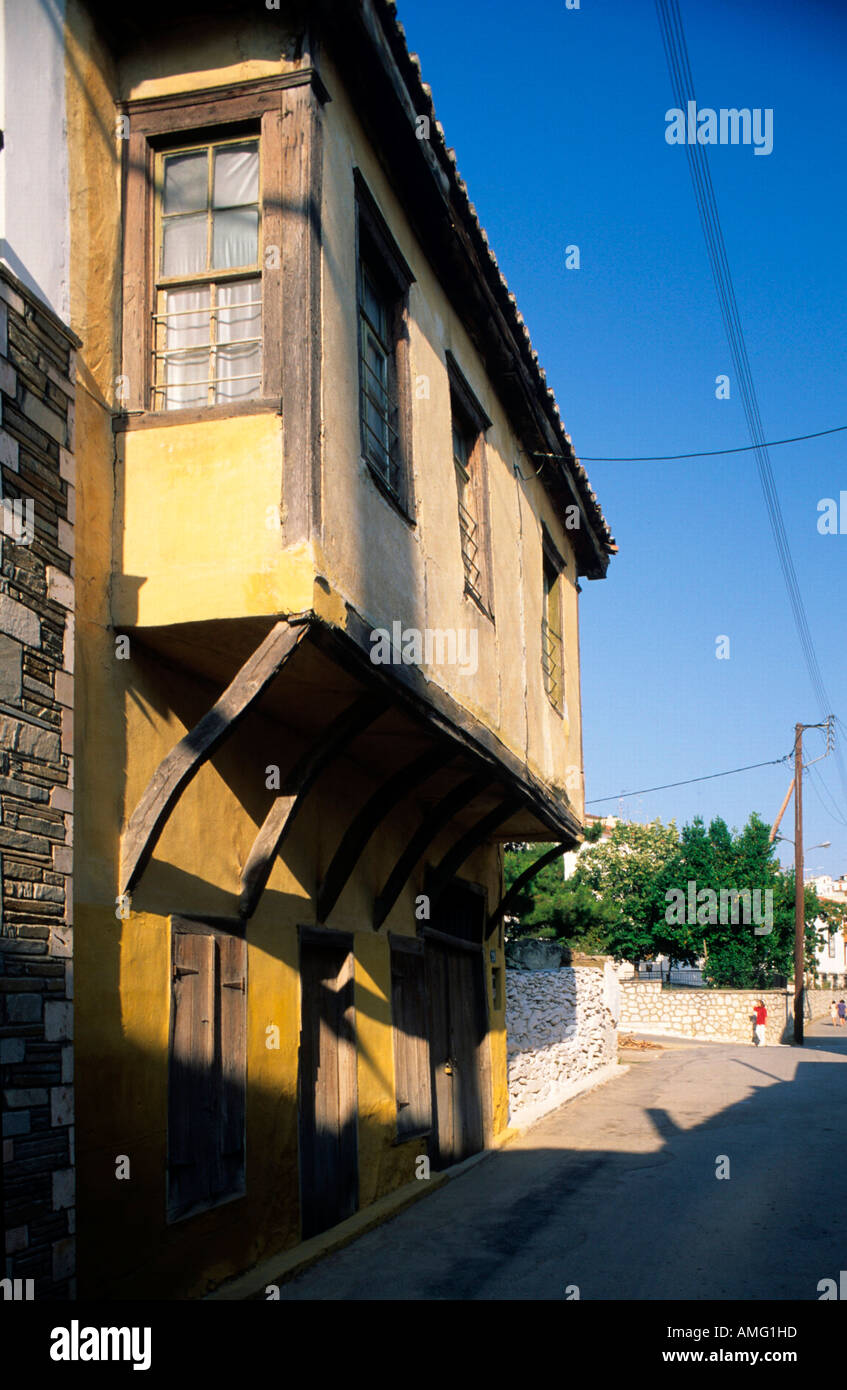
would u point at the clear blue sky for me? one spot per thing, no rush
(557, 118)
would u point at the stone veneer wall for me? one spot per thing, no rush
(715, 1015)
(37, 371)
(560, 1029)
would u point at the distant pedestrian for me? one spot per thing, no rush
(842, 1013)
(761, 1019)
(833, 1013)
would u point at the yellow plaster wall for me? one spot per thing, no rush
(197, 531)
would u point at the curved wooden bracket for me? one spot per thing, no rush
(464, 847)
(436, 819)
(280, 818)
(520, 883)
(372, 814)
(174, 773)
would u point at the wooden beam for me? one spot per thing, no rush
(174, 773)
(295, 788)
(520, 883)
(466, 844)
(440, 713)
(363, 825)
(435, 820)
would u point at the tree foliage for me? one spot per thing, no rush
(650, 890)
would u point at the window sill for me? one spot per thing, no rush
(385, 491)
(155, 419)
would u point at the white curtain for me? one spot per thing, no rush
(239, 321)
(187, 344)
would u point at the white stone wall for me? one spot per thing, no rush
(713, 1015)
(561, 1032)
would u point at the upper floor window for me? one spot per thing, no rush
(383, 280)
(207, 323)
(552, 640)
(469, 423)
(379, 407)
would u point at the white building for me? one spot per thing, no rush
(831, 954)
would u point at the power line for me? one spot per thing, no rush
(682, 83)
(687, 782)
(820, 786)
(700, 453)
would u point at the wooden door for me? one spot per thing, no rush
(458, 1024)
(329, 1181)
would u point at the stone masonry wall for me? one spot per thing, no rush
(560, 1029)
(819, 1000)
(715, 1015)
(37, 1189)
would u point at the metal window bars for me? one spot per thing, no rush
(382, 437)
(552, 662)
(214, 383)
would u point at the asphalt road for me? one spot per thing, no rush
(616, 1192)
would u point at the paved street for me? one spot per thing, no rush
(616, 1192)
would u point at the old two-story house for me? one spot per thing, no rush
(329, 537)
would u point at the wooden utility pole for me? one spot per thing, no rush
(799, 896)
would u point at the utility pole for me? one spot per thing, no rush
(799, 896)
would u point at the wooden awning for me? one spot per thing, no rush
(434, 756)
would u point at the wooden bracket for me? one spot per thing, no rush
(174, 773)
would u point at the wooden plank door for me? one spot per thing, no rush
(457, 1034)
(329, 1181)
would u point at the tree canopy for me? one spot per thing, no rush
(649, 890)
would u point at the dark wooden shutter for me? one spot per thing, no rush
(232, 964)
(191, 1081)
(411, 1042)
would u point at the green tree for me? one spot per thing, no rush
(629, 873)
(552, 906)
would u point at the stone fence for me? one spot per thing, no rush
(711, 1015)
(819, 1000)
(562, 1034)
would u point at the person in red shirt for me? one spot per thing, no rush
(761, 1019)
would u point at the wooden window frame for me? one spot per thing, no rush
(282, 117)
(553, 564)
(465, 406)
(377, 251)
(216, 930)
(211, 277)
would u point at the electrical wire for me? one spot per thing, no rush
(682, 83)
(688, 781)
(699, 453)
(819, 787)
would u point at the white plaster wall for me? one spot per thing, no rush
(34, 215)
(561, 1036)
